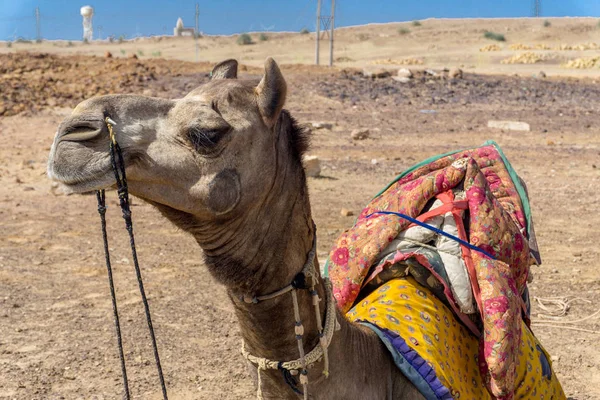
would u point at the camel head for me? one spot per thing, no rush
(220, 163)
(206, 160)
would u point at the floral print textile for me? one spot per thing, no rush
(497, 223)
(442, 354)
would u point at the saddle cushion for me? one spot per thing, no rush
(498, 247)
(438, 354)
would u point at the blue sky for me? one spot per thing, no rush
(61, 19)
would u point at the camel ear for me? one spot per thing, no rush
(271, 93)
(225, 70)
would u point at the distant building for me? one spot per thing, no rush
(180, 30)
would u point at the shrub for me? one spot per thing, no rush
(403, 31)
(263, 37)
(121, 38)
(416, 23)
(304, 31)
(38, 40)
(9, 44)
(244, 39)
(547, 24)
(140, 53)
(69, 44)
(156, 54)
(494, 36)
(123, 52)
(363, 37)
(598, 25)
(23, 40)
(85, 41)
(111, 39)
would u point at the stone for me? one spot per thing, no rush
(346, 213)
(312, 166)
(455, 73)
(509, 125)
(374, 161)
(375, 73)
(108, 54)
(360, 134)
(542, 74)
(401, 79)
(322, 125)
(404, 73)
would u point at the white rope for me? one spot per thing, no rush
(299, 331)
(318, 353)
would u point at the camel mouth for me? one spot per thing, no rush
(78, 168)
(82, 185)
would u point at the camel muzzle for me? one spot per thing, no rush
(80, 131)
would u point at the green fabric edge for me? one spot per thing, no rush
(507, 164)
(517, 182)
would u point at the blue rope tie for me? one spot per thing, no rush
(434, 229)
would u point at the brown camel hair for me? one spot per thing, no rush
(224, 164)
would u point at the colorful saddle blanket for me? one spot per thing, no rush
(476, 199)
(438, 354)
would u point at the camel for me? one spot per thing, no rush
(224, 163)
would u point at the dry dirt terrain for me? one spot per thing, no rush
(56, 332)
(435, 43)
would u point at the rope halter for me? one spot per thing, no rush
(299, 366)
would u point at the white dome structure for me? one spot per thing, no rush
(181, 30)
(87, 12)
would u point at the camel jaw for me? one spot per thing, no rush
(87, 186)
(75, 182)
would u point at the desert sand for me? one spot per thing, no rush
(56, 332)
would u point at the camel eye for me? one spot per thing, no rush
(206, 139)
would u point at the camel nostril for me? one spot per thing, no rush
(79, 133)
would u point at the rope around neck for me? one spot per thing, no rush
(319, 352)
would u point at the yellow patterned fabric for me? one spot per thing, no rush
(416, 317)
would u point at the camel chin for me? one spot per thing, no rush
(88, 186)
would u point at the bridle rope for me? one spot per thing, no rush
(289, 369)
(299, 366)
(118, 166)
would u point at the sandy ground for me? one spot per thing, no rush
(56, 333)
(435, 43)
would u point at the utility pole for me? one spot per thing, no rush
(332, 23)
(537, 8)
(196, 32)
(328, 25)
(318, 32)
(38, 29)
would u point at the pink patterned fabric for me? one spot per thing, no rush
(497, 225)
